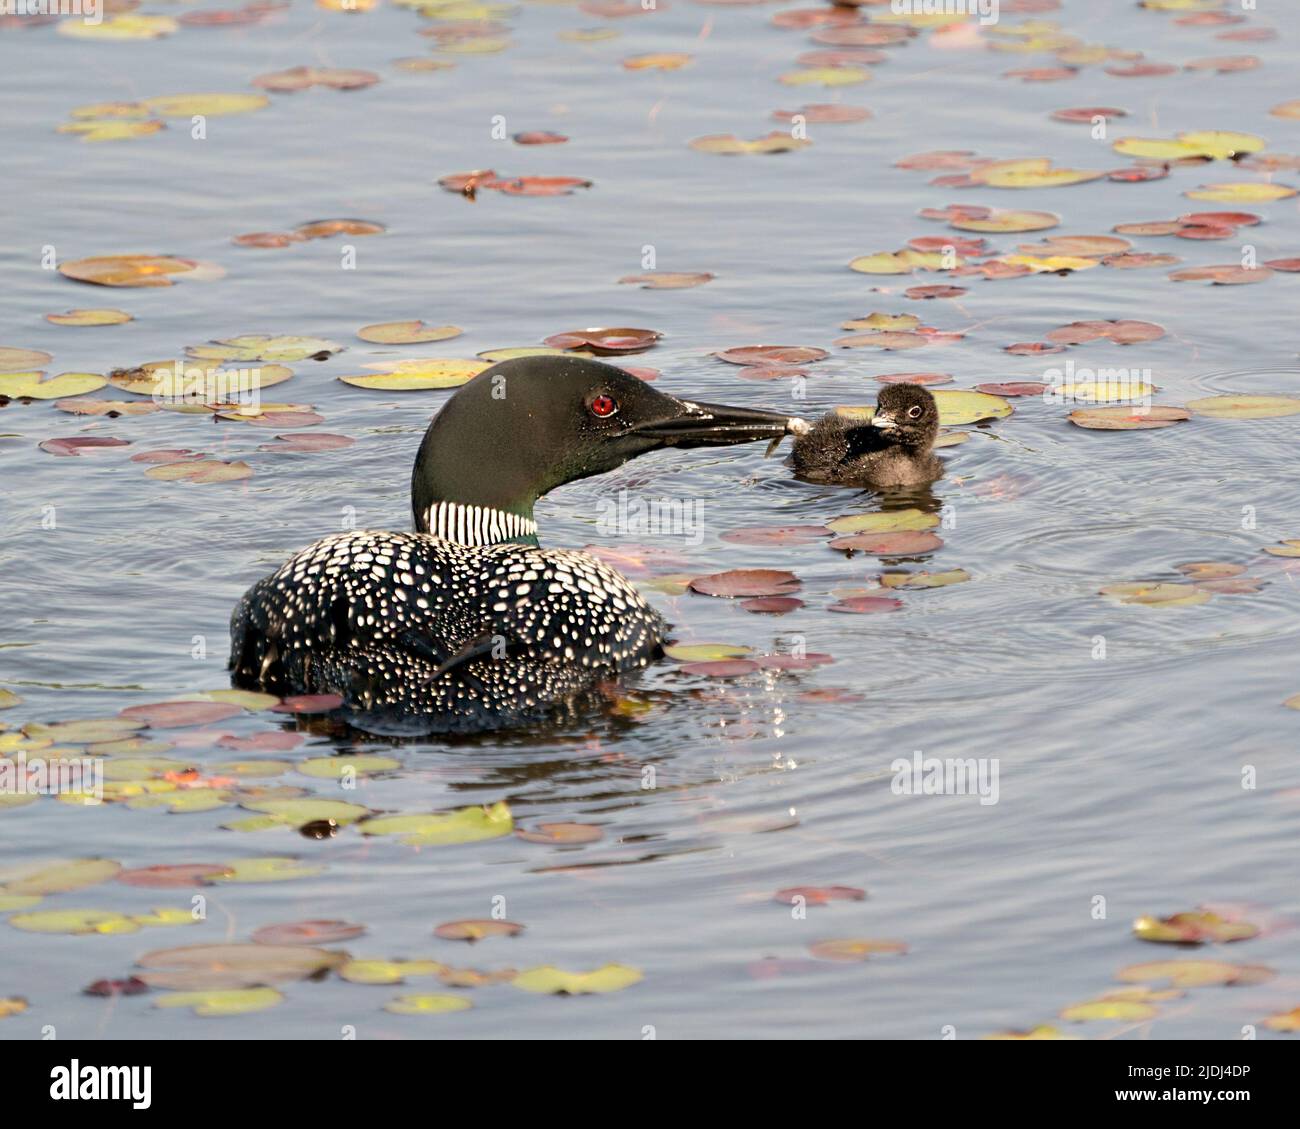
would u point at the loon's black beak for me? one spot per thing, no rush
(717, 425)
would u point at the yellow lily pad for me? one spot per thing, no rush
(125, 26)
(295, 813)
(427, 1004)
(1129, 1010)
(959, 407)
(705, 652)
(228, 1001)
(554, 981)
(83, 317)
(111, 130)
(1163, 595)
(268, 870)
(1244, 407)
(33, 385)
(387, 971)
(904, 262)
(206, 105)
(262, 347)
(413, 332)
(418, 376)
(58, 876)
(84, 730)
(1241, 192)
(467, 825)
(334, 768)
(73, 921)
(891, 521)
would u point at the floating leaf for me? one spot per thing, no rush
(1193, 928)
(1129, 1010)
(201, 472)
(554, 981)
(1157, 594)
(1241, 192)
(307, 933)
(57, 877)
(1245, 407)
(723, 668)
(1194, 973)
(300, 78)
(32, 385)
(905, 543)
(889, 521)
(407, 333)
(563, 834)
(263, 347)
(77, 921)
(705, 652)
(728, 144)
(866, 605)
(855, 949)
(746, 582)
(387, 971)
(958, 407)
(177, 876)
(234, 966)
(1137, 418)
(89, 318)
(268, 870)
(218, 1002)
(336, 768)
(134, 270)
(772, 355)
(818, 895)
(924, 579)
(179, 715)
(418, 376)
(667, 280)
(427, 1004)
(467, 825)
(206, 105)
(477, 929)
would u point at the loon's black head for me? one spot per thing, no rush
(906, 415)
(528, 425)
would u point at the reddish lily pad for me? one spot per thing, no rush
(77, 444)
(866, 605)
(177, 876)
(905, 543)
(772, 355)
(746, 582)
(771, 605)
(819, 895)
(724, 668)
(307, 933)
(180, 715)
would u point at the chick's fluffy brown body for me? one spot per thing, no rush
(892, 449)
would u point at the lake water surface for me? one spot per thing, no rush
(1143, 753)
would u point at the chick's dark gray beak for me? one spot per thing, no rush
(716, 425)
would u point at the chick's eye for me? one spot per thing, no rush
(914, 411)
(603, 406)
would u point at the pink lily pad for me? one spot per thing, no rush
(746, 582)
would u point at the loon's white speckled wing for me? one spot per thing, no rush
(449, 636)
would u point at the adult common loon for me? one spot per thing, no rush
(466, 625)
(893, 448)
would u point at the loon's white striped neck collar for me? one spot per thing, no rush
(478, 525)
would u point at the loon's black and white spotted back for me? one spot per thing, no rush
(465, 624)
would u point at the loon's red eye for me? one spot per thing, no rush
(603, 406)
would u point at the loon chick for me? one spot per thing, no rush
(892, 448)
(465, 624)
